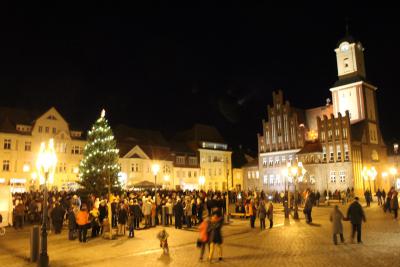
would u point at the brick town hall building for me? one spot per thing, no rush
(339, 144)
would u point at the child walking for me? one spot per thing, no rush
(163, 237)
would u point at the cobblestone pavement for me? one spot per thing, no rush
(289, 243)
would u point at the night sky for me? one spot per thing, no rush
(166, 69)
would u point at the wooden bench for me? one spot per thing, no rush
(239, 214)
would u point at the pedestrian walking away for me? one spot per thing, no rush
(336, 218)
(355, 214)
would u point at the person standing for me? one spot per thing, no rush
(131, 219)
(146, 208)
(336, 218)
(178, 211)
(367, 198)
(317, 197)
(19, 212)
(203, 236)
(215, 236)
(252, 213)
(188, 213)
(57, 217)
(102, 212)
(262, 214)
(169, 212)
(122, 218)
(308, 209)
(82, 220)
(394, 204)
(71, 223)
(355, 214)
(270, 213)
(95, 222)
(379, 195)
(137, 214)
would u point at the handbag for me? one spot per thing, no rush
(198, 243)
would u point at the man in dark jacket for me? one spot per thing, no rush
(71, 223)
(57, 217)
(308, 209)
(178, 211)
(137, 214)
(356, 215)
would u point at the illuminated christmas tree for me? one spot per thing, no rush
(99, 167)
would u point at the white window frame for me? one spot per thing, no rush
(342, 176)
(332, 177)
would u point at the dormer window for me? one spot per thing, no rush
(51, 117)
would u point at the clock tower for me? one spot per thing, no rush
(351, 92)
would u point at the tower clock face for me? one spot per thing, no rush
(344, 47)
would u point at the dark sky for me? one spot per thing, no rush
(166, 68)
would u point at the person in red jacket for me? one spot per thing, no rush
(203, 236)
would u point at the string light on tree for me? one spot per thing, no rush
(99, 167)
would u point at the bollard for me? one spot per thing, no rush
(34, 243)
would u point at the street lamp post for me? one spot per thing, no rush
(46, 164)
(296, 173)
(227, 196)
(202, 181)
(285, 173)
(155, 169)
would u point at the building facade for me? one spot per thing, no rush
(340, 146)
(21, 134)
(202, 153)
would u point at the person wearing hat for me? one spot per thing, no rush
(356, 215)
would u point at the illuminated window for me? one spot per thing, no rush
(346, 152)
(323, 136)
(28, 146)
(329, 134)
(344, 132)
(324, 153)
(333, 177)
(265, 180)
(40, 129)
(7, 144)
(271, 179)
(264, 162)
(77, 150)
(342, 176)
(330, 153)
(54, 130)
(257, 175)
(192, 160)
(339, 153)
(180, 160)
(47, 129)
(6, 165)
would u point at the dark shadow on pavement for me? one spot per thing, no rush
(165, 258)
(315, 224)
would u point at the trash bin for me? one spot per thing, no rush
(34, 243)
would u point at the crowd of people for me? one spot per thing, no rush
(129, 211)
